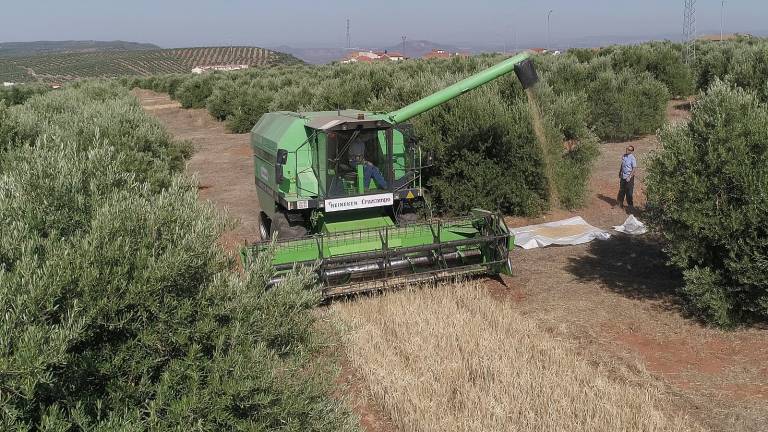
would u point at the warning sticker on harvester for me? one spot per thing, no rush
(359, 202)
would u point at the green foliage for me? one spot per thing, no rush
(251, 102)
(626, 104)
(488, 159)
(93, 111)
(221, 103)
(565, 74)
(741, 62)
(18, 94)
(194, 92)
(120, 311)
(6, 127)
(583, 55)
(712, 62)
(749, 69)
(165, 83)
(707, 195)
(621, 102)
(663, 60)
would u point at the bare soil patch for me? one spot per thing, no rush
(616, 300)
(222, 163)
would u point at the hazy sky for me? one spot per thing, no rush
(174, 23)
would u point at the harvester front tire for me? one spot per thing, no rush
(264, 227)
(409, 218)
(282, 229)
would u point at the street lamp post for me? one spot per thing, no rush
(722, 18)
(549, 47)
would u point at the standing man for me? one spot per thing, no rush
(627, 178)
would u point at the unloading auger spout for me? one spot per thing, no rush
(521, 64)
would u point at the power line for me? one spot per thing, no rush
(549, 48)
(349, 39)
(689, 31)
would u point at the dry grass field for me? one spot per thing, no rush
(453, 358)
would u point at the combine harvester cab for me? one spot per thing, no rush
(338, 191)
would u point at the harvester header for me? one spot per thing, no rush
(342, 191)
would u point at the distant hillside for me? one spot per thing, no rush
(51, 47)
(108, 64)
(314, 55)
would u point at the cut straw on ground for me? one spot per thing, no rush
(454, 359)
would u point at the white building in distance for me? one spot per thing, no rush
(211, 68)
(371, 56)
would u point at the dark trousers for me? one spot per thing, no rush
(371, 171)
(626, 187)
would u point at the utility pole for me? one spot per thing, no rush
(517, 48)
(549, 47)
(403, 38)
(722, 18)
(349, 40)
(689, 31)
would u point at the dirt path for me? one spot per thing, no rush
(615, 300)
(222, 163)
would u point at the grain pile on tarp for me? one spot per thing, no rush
(571, 231)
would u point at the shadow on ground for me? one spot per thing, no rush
(610, 200)
(632, 266)
(683, 105)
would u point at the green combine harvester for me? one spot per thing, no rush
(342, 191)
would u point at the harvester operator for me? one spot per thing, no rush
(357, 156)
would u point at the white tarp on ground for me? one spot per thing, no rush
(565, 232)
(632, 226)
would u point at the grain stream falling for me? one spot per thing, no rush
(452, 358)
(541, 139)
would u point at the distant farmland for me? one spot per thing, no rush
(108, 64)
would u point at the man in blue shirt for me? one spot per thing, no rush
(627, 178)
